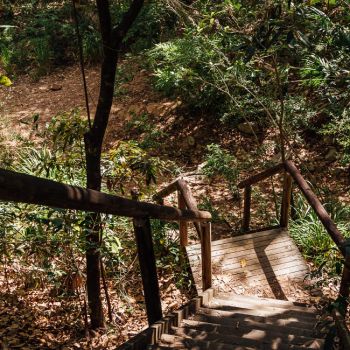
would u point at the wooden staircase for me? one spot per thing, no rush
(234, 322)
(218, 320)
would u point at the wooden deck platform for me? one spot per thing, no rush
(265, 263)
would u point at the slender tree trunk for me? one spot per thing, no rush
(93, 150)
(112, 38)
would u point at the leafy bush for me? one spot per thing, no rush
(128, 165)
(237, 61)
(182, 68)
(221, 162)
(151, 138)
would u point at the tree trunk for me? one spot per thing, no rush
(112, 38)
(93, 150)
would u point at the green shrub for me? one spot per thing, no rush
(220, 162)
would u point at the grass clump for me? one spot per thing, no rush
(312, 238)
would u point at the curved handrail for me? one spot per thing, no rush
(185, 195)
(29, 189)
(289, 167)
(251, 180)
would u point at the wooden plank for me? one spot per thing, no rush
(281, 282)
(269, 259)
(252, 302)
(243, 244)
(286, 200)
(143, 235)
(256, 236)
(248, 248)
(249, 263)
(280, 276)
(236, 268)
(206, 257)
(277, 251)
(21, 188)
(246, 209)
(258, 274)
(261, 176)
(183, 228)
(263, 281)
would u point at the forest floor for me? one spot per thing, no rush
(33, 318)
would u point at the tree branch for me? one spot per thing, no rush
(104, 16)
(119, 32)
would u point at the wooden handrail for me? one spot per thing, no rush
(310, 196)
(166, 191)
(316, 205)
(186, 199)
(22, 188)
(292, 172)
(261, 176)
(184, 190)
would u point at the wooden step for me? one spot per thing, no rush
(262, 309)
(244, 326)
(238, 299)
(198, 347)
(253, 337)
(227, 317)
(263, 312)
(173, 341)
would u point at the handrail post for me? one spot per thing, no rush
(286, 200)
(344, 290)
(246, 210)
(182, 224)
(143, 235)
(206, 256)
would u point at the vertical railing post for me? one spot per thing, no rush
(246, 209)
(344, 290)
(183, 226)
(143, 235)
(206, 256)
(286, 200)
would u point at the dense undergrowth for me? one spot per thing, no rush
(49, 243)
(38, 36)
(263, 62)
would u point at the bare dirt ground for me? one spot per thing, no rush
(33, 319)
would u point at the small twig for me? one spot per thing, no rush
(85, 311)
(105, 288)
(81, 59)
(282, 111)
(274, 195)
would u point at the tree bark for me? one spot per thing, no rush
(112, 39)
